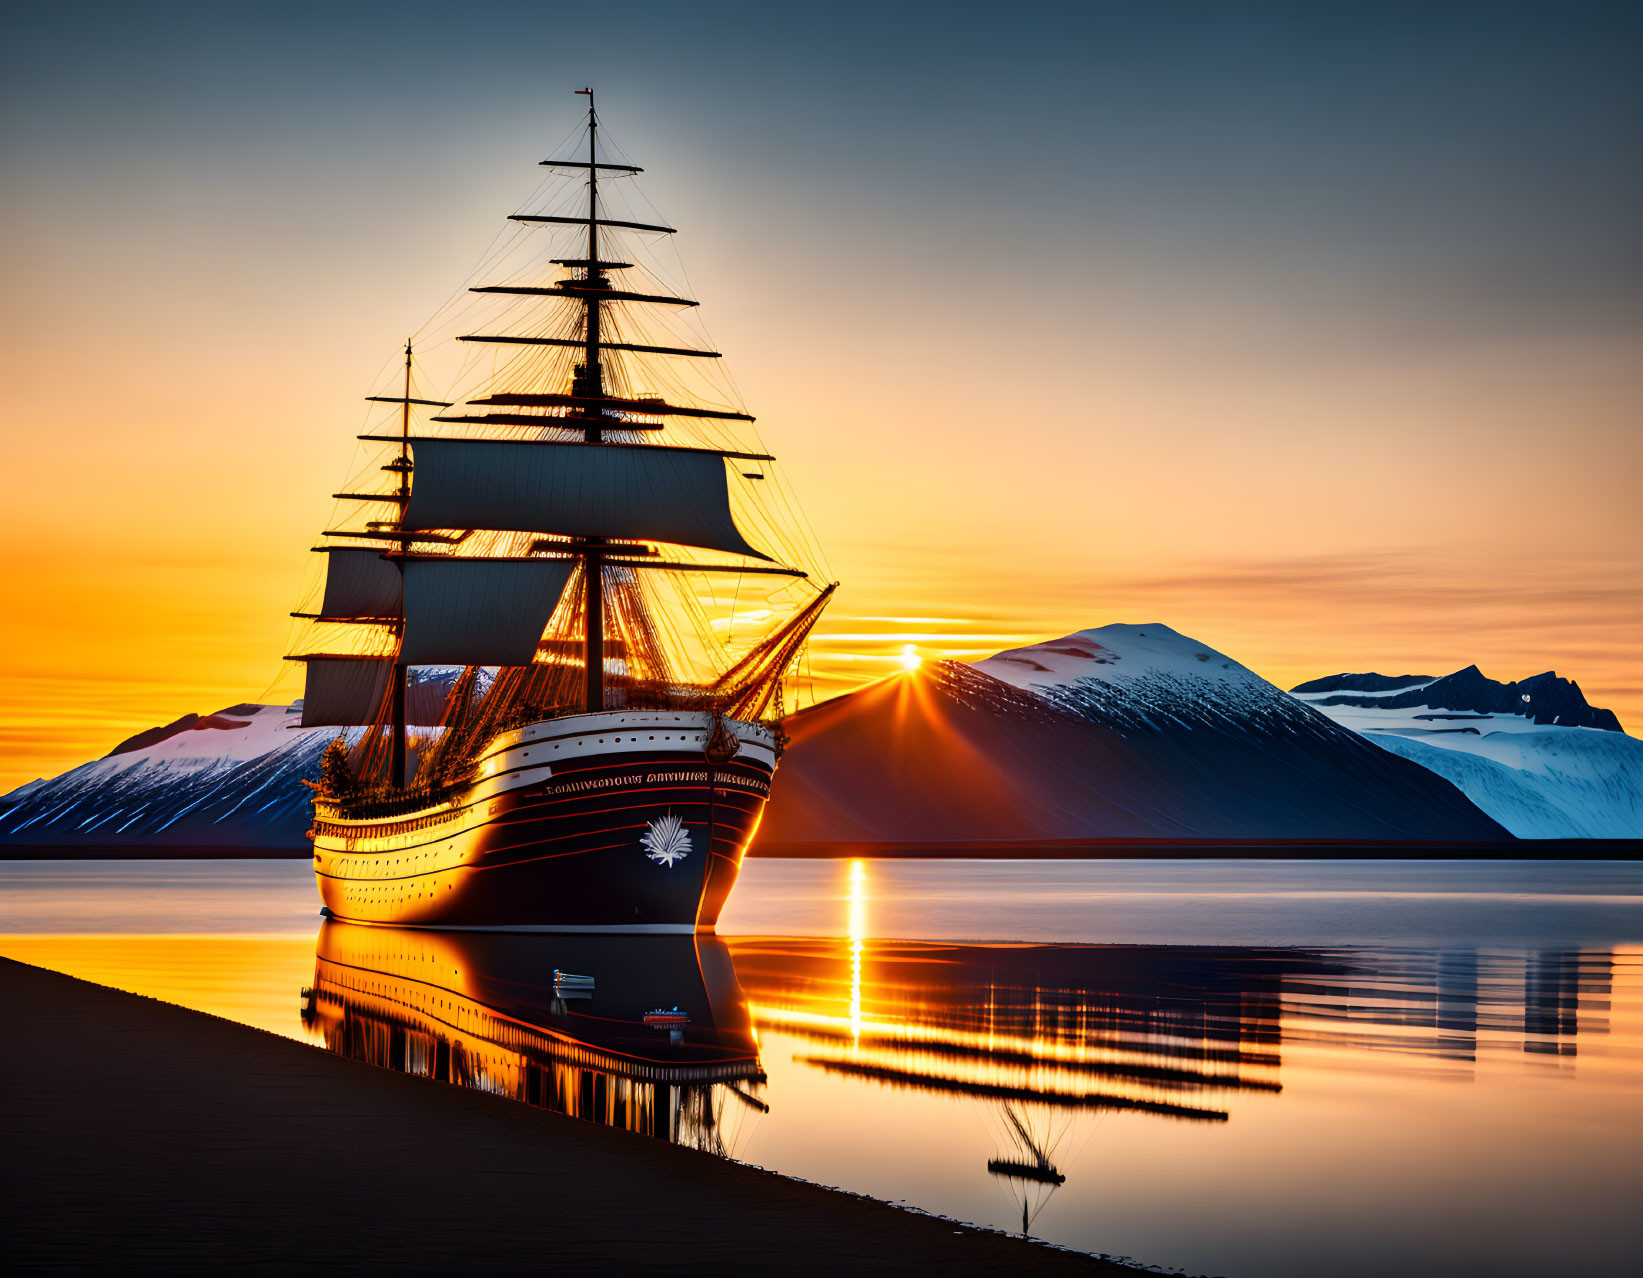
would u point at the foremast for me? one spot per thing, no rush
(396, 765)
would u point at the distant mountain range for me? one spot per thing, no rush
(1121, 733)
(1541, 699)
(1534, 755)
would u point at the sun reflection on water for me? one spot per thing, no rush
(858, 938)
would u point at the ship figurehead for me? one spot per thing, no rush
(562, 598)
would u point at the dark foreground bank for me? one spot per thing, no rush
(142, 1135)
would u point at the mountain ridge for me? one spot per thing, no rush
(1543, 698)
(1538, 774)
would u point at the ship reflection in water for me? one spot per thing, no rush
(649, 1034)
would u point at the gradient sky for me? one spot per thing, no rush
(1312, 330)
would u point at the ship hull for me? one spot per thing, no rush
(612, 822)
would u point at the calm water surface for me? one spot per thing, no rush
(1242, 1068)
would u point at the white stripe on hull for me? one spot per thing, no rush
(563, 929)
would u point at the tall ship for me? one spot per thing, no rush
(564, 596)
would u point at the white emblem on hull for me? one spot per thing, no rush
(666, 840)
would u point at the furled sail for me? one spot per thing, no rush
(676, 495)
(359, 584)
(479, 612)
(344, 691)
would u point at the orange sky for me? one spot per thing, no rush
(169, 508)
(1317, 432)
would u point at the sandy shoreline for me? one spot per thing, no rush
(144, 1135)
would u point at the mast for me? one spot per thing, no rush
(591, 385)
(592, 373)
(396, 766)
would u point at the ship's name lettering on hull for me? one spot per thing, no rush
(353, 839)
(756, 784)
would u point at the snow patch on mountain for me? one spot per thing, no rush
(1145, 676)
(1540, 780)
(1120, 655)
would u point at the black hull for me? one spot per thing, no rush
(614, 840)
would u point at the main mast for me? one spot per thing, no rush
(591, 385)
(396, 764)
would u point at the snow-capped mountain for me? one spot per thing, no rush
(1534, 754)
(1133, 677)
(1125, 732)
(230, 780)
